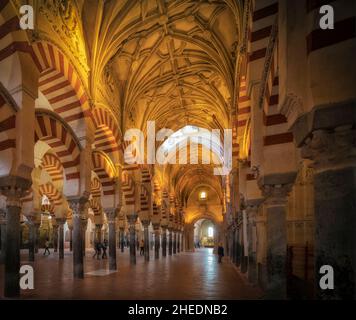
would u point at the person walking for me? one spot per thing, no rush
(220, 252)
(97, 248)
(47, 247)
(142, 247)
(104, 247)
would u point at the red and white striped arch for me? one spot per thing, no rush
(7, 136)
(128, 189)
(53, 166)
(105, 171)
(59, 137)
(52, 193)
(61, 85)
(107, 135)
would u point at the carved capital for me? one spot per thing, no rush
(276, 194)
(14, 188)
(61, 221)
(329, 149)
(2, 216)
(79, 205)
(111, 214)
(132, 218)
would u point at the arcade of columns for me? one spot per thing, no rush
(91, 70)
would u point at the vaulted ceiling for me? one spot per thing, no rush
(168, 61)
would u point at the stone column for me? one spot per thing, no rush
(55, 236)
(13, 188)
(78, 206)
(122, 239)
(98, 228)
(333, 155)
(111, 215)
(60, 223)
(146, 235)
(170, 241)
(276, 210)
(84, 225)
(178, 241)
(251, 211)
(164, 241)
(132, 230)
(157, 239)
(70, 238)
(174, 241)
(33, 225)
(2, 235)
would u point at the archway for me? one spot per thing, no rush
(204, 233)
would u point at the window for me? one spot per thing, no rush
(202, 195)
(210, 232)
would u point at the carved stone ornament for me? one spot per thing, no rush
(79, 205)
(276, 194)
(64, 19)
(14, 188)
(331, 149)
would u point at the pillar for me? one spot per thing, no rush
(71, 238)
(174, 242)
(84, 225)
(55, 237)
(251, 211)
(2, 234)
(170, 241)
(132, 230)
(60, 224)
(333, 157)
(13, 188)
(122, 239)
(146, 235)
(78, 206)
(276, 211)
(178, 241)
(33, 225)
(157, 240)
(98, 228)
(164, 241)
(111, 215)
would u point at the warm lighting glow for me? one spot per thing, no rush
(202, 195)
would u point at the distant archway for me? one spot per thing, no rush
(204, 233)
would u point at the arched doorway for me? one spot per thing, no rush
(204, 233)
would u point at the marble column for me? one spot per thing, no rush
(13, 188)
(156, 228)
(333, 156)
(276, 210)
(55, 236)
(33, 225)
(111, 216)
(132, 230)
(2, 234)
(78, 206)
(84, 225)
(178, 241)
(60, 223)
(122, 239)
(146, 235)
(174, 241)
(98, 228)
(164, 241)
(170, 241)
(251, 211)
(71, 238)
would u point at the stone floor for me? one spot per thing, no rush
(183, 276)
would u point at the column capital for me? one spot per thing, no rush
(78, 205)
(145, 223)
(132, 218)
(14, 188)
(61, 221)
(275, 188)
(329, 149)
(111, 214)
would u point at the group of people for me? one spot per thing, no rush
(100, 249)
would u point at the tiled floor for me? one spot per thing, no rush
(183, 276)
